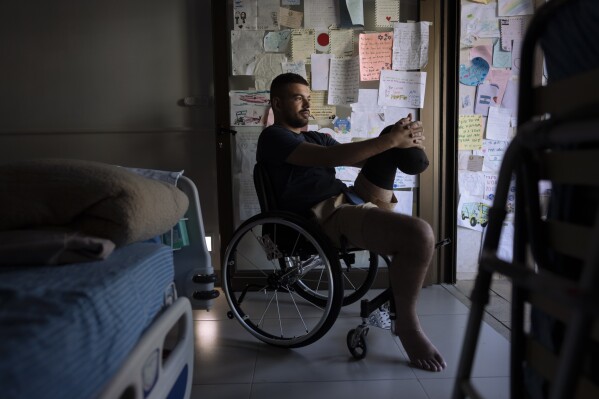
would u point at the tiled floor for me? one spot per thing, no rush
(231, 363)
(498, 311)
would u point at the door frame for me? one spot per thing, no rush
(437, 199)
(221, 61)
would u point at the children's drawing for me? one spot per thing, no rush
(475, 213)
(249, 107)
(474, 74)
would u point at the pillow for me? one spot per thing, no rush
(92, 198)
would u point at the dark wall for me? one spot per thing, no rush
(103, 80)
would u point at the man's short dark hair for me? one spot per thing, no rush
(280, 82)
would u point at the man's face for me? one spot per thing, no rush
(293, 107)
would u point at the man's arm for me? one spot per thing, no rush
(401, 135)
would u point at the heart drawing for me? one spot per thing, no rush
(388, 19)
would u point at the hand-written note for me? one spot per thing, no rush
(320, 71)
(405, 202)
(342, 42)
(512, 29)
(493, 151)
(403, 180)
(290, 18)
(320, 14)
(470, 132)
(248, 200)
(318, 106)
(490, 185)
(386, 12)
(268, 15)
(471, 183)
(344, 80)
(410, 45)
(302, 44)
(498, 123)
(298, 67)
(375, 54)
(402, 89)
(474, 163)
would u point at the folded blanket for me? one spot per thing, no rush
(92, 198)
(43, 247)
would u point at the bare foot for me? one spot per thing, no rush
(421, 351)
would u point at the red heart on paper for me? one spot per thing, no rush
(388, 19)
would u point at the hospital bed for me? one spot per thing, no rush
(119, 327)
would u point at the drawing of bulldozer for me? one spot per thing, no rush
(476, 212)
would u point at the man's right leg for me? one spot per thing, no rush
(410, 242)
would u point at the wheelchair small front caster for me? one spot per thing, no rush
(356, 342)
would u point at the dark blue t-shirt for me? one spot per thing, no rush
(297, 188)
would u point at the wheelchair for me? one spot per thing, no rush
(285, 282)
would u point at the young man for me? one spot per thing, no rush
(301, 167)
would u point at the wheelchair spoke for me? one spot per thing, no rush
(266, 308)
(319, 280)
(298, 311)
(347, 280)
(279, 314)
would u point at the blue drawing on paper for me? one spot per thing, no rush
(342, 125)
(476, 73)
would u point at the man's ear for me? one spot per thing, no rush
(274, 103)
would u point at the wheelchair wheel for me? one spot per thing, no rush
(268, 258)
(356, 342)
(357, 275)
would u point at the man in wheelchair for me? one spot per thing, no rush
(300, 165)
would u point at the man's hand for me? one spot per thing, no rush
(408, 134)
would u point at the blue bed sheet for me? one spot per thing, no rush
(65, 330)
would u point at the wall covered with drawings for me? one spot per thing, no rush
(490, 40)
(361, 59)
